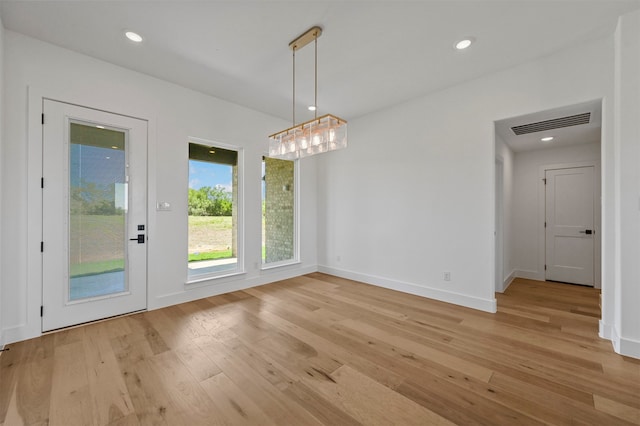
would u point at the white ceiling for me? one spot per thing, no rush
(574, 135)
(372, 54)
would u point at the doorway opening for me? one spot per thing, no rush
(562, 148)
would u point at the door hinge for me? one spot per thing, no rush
(41, 246)
(41, 311)
(544, 180)
(545, 267)
(43, 118)
(545, 224)
(42, 182)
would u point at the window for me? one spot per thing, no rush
(279, 243)
(214, 205)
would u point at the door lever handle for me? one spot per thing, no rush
(139, 239)
(587, 231)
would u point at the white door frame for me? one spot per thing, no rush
(597, 216)
(31, 299)
(499, 224)
(59, 310)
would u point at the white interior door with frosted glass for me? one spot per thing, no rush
(94, 254)
(570, 208)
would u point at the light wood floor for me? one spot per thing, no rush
(320, 350)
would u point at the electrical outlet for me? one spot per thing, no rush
(447, 276)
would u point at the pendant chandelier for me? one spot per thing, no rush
(321, 134)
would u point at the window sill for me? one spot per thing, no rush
(268, 266)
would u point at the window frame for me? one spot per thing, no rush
(296, 219)
(193, 280)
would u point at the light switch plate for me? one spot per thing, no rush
(163, 206)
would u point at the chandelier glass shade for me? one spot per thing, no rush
(321, 134)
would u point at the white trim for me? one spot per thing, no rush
(604, 330)
(296, 218)
(597, 261)
(508, 280)
(208, 279)
(498, 239)
(30, 325)
(274, 265)
(19, 333)
(529, 275)
(628, 347)
(240, 267)
(621, 345)
(216, 288)
(487, 305)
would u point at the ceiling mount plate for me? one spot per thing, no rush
(305, 38)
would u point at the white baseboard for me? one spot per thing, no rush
(528, 275)
(629, 347)
(624, 346)
(487, 305)
(507, 281)
(621, 345)
(19, 333)
(604, 330)
(216, 288)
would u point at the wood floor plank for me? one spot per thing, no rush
(197, 362)
(11, 361)
(337, 347)
(33, 391)
(617, 409)
(233, 406)
(131, 352)
(323, 410)
(372, 403)
(267, 397)
(440, 357)
(181, 390)
(323, 350)
(576, 409)
(109, 393)
(71, 402)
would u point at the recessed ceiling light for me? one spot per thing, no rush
(133, 36)
(463, 44)
(212, 151)
(547, 139)
(114, 147)
(100, 127)
(311, 107)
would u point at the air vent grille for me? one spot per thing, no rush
(556, 123)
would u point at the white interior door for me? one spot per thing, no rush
(570, 207)
(94, 209)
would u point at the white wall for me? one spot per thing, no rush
(507, 156)
(174, 115)
(412, 196)
(1, 160)
(528, 204)
(626, 301)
